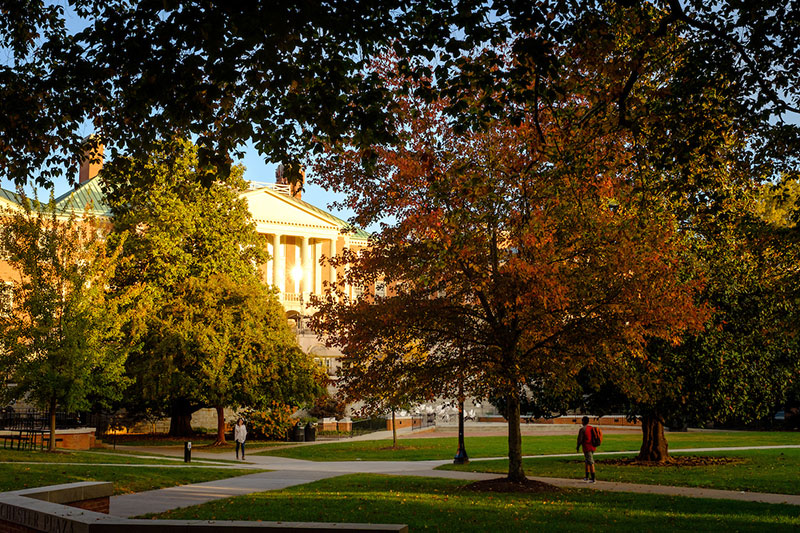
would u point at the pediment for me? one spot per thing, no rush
(273, 208)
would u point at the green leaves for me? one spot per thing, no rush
(178, 227)
(66, 338)
(215, 335)
(506, 264)
(235, 345)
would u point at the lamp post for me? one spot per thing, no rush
(461, 457)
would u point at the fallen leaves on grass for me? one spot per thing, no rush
(679, 461)
(502, 484)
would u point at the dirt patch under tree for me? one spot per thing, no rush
(502, 484)
(679, 461)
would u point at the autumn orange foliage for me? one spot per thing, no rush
(520, 250)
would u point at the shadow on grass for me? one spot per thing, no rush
(439, 505)
(749, 470)
(126, 480)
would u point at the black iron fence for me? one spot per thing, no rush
(105, 422)
(29, 419)
(29, 428)
(369, 425)
(357, 427)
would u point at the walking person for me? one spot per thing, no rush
(240, 435)
(585, 440)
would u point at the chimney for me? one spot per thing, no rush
(282, 174)
(91, 164)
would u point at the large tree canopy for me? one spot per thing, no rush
(744, 363)
(284, 75)
(178, 230)
(514, 252)
(64, 337)
(231, 345)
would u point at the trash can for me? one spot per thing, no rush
(311, 432)
(298, 435)
(187, 452)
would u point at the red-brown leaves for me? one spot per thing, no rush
(513, 252)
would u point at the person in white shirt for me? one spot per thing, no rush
(240, 435)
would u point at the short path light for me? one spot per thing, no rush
(461, 457)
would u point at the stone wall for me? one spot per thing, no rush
(97, 505)
(52, 510)
(36, 510)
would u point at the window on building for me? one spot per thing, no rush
(325, 363)
(380, 289)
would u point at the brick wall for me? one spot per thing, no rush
(32, 509)
(401, 421)
(98, 505)
(70, 439)
(8, 527)
(75, 441)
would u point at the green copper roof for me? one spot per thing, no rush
(86, 198)
(354, 231)
(9, 196)
(89, 197)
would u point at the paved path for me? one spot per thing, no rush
(158, 501)
(176, 454)
(286, 472)
(611, 486)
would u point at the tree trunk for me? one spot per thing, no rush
(394, 430)
(220, 426)
(180, 424)
(654, 444)
(51, 446)
(515, 471)
(461, 457)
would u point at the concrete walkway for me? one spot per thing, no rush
(159, 501)
(286, 472)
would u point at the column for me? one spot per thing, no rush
(332, 267)
(278, 264)
(348, 288)
(269, 274)
(305, 258)
(317, 267)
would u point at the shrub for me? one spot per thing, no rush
(270, 424)
(327, 406)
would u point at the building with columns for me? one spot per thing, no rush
(297, 235)
(299, 238)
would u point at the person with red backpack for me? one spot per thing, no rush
(590, 438)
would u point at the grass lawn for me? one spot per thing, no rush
(418, 449)
(759, 471)
(91, 456)
(230, 446)
(135, 440)
(438, 505)
(17, 472)
(126, 480)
